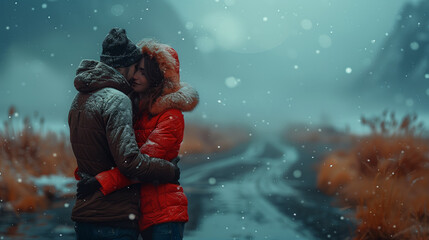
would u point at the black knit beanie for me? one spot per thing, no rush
(118, 50)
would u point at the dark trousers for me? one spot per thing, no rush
(164, 231)
(92, 231)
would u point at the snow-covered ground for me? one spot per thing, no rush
(62, 184)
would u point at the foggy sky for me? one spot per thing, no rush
(261, 63)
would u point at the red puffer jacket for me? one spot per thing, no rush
(159, 136)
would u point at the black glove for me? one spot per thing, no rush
(86, 185)
(176, 171)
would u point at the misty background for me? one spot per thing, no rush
(260, 64)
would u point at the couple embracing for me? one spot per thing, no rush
(126, 127)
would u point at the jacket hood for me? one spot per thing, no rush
(175, 94)
(92, 75)
(185, 99)
(168, 61)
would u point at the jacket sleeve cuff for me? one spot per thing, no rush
(112, 180)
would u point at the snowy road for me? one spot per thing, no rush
(238, 185)
(251, 196)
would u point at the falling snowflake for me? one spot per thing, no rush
(348, 70)
(231, 82)
(306, 24)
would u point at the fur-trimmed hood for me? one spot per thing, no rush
(175, 94)
(168, 61)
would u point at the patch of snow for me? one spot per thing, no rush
(63, 185)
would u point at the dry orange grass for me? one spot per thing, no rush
(384, 177)
(27, 153)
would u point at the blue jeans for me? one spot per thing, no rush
(92, 231)
(164, 231)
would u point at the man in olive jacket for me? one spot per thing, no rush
(102, 137)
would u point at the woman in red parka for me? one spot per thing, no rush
(158, 102)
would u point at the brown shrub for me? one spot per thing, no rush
(384, 178)
(26, 153)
